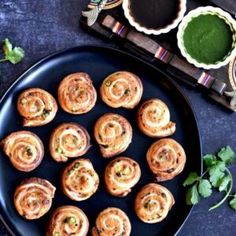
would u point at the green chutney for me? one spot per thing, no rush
(208, 38)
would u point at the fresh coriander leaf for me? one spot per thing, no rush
(192, 196)
(216, 173)
(224, 182)
(227, 155)
(204, 188)
(16, 55)
(7, 46)
(192, 177)
(232, 203)
(209, 160)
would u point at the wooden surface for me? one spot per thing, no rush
(43, 27)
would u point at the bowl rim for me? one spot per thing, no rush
(232, 75)
(203, 11)
(166, 29)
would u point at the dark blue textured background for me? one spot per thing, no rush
(43, 27)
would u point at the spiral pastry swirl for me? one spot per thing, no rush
(153, 202)
(122, 89)
(154, 119)
(24, 149)
(69, 140)
(166, 159)
(36, 106)
(112, 222)
(68, 220)
(76, 93)
(113, 134)
(79, 180)
(33, 198)
(121, 175)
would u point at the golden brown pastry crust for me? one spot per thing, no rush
(36, 106)
(24, 149)
(69, 140)
(33, 198)
(112, 222)
(79, 180)
(68, 220)
(76, 93)
(153, 202)
(122, 89)
(166, 159)
(113, 134)
(154, 119)
(121, 174)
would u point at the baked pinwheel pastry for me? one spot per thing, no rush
(69, 140)
(24, 149)
(166, 159)
(153, 202)
(67, 221)
(113, 134)
(154, 119)
(36, 106)
(76, 93)
(112, 222)
(79, 180)
(122, 89)
(121, 175)
(33, 198)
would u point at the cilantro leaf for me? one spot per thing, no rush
(204, 188)
(232, 203)
(227, 155)
(216, 173)
(7, 46)
(224, 182)
(209, 160)
(192, 177)
(13, 55)
(16, 55)
(192, 196)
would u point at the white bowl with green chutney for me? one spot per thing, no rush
(207, 37)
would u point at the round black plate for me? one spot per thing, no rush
(98, 62)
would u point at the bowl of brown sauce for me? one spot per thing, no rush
(154, 16)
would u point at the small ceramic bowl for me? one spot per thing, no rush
(206, 11)
(232, 73)
(155, 31)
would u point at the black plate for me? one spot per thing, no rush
(98, 62)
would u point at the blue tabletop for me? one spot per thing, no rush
(43, 27)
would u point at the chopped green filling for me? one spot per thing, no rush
(108, 83)
(127, 92)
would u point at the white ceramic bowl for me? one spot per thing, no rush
(205, 11)
(166, 29)
(232, 73)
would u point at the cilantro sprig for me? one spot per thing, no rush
(13, 55)
(217, 176)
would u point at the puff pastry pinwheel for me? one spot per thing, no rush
(33, 198)
(24, 149)
(36, 106)
(113, 134)
(67, 221)
(122, 89)
(121, 174)
(153, 202)
(79, 180)
(154, 119)
(76, 93)
(69, 140)
(112, 222)
(166, 159)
